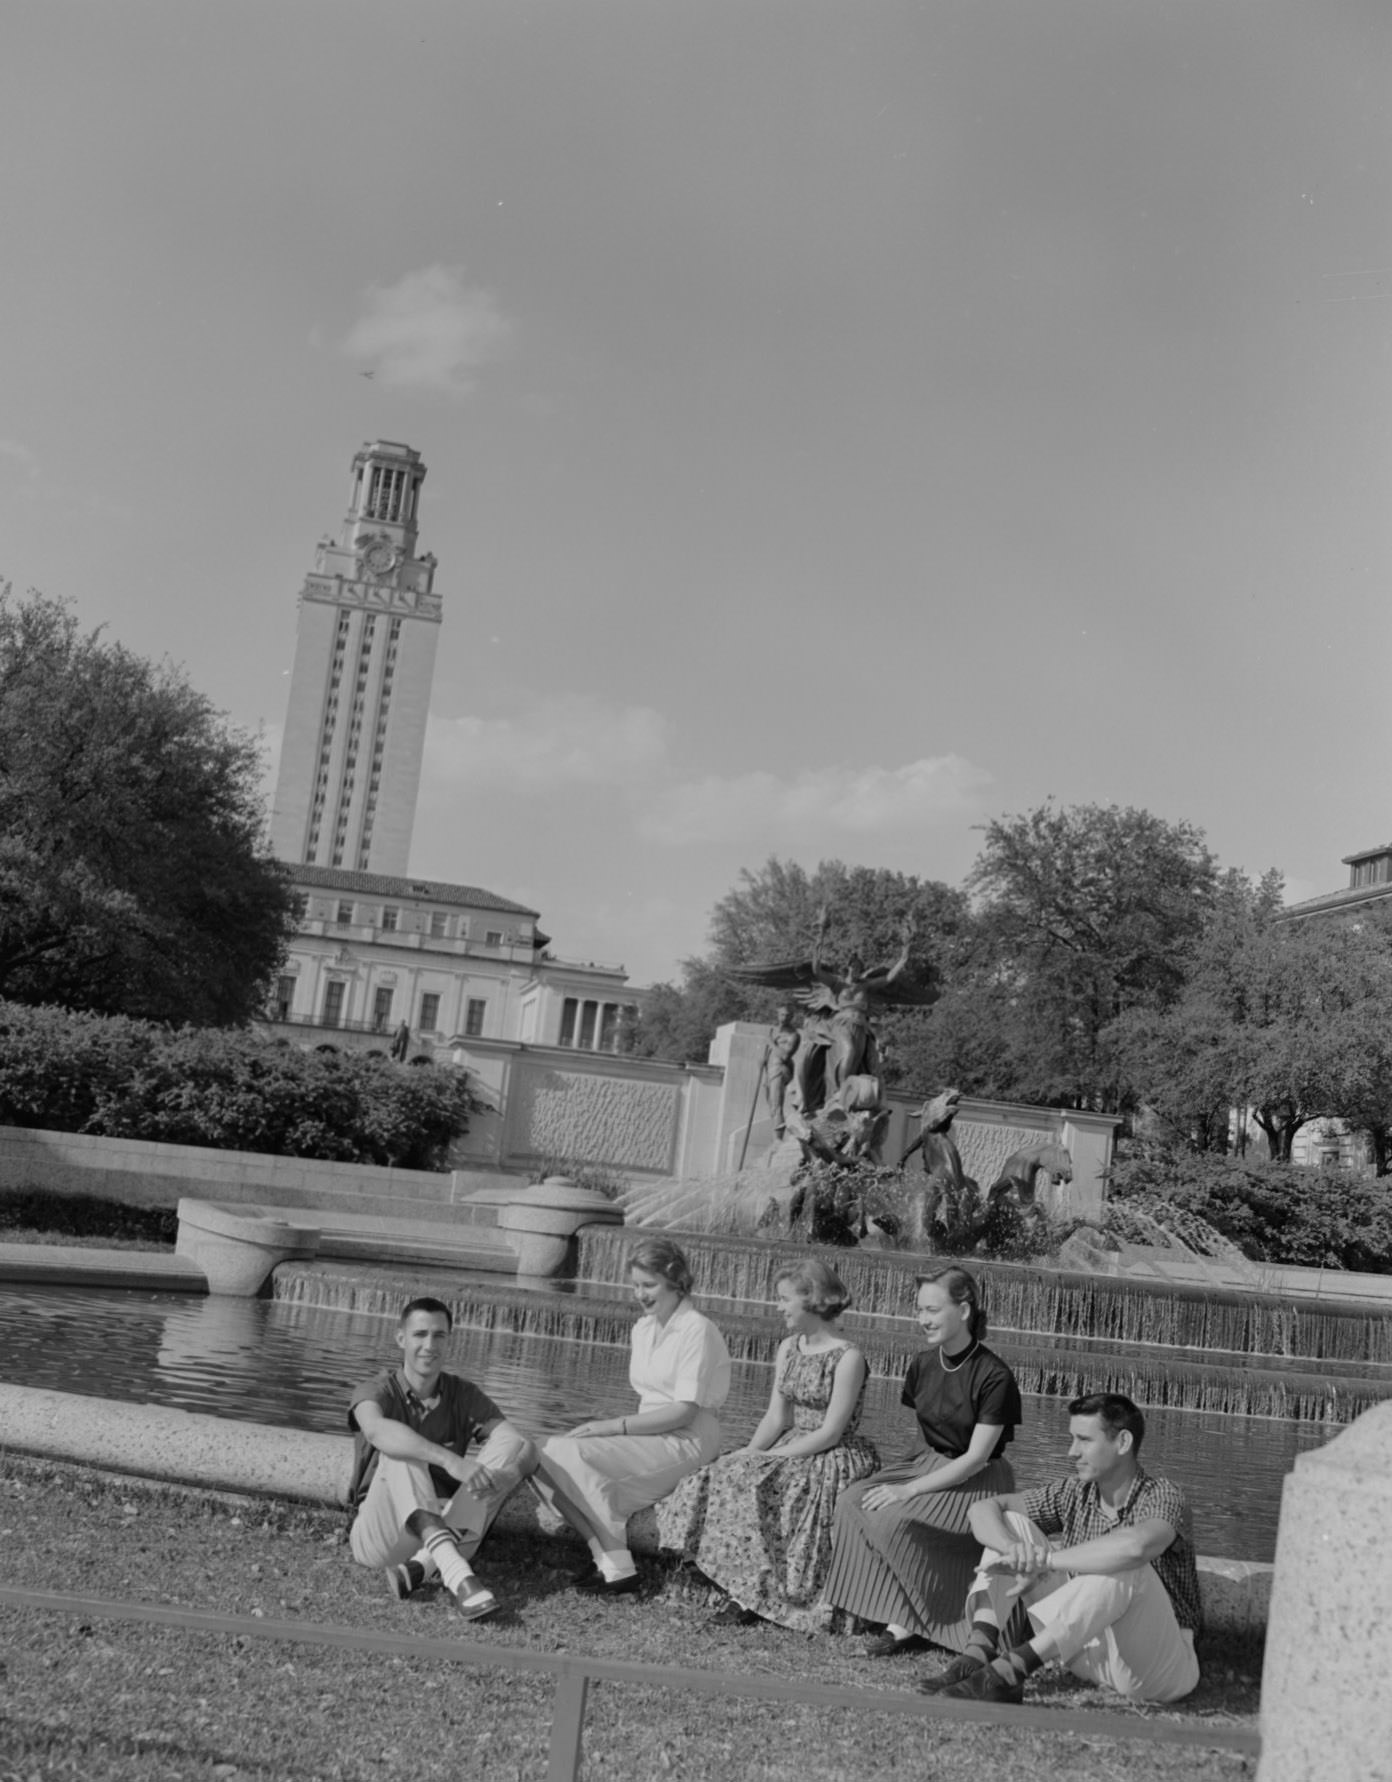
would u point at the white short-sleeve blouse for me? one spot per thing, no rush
(684, 1361)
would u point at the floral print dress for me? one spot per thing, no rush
(760, 1525)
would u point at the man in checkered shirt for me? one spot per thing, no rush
(1103, 1564)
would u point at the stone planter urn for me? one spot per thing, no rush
(541, 1222)
(237, 1247)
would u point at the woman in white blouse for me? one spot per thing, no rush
(601, 1472)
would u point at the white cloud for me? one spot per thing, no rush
(847, 801)
(428, 331)
(567, 740)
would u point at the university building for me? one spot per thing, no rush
(376, 948)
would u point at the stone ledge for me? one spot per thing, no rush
(189, 1448)
(76, 1265)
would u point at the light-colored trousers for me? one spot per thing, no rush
(597, 1482)
(1119, 1630)
(379, 1535)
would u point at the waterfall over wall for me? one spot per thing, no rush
(1063, 1333)
(1028, 1298)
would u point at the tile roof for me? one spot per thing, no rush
(380, 884)
(1349, 898)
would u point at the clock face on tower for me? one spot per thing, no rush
(378, 558)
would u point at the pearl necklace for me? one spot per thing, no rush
(967, 1354)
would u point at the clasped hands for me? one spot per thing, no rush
(1024, 1560)
(474, 1478)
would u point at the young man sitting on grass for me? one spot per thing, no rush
(1104, 1564)
(420, 1504)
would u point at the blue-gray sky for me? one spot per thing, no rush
(846, 422)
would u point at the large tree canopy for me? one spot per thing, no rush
(1082, 913)
(134, 878)
(1287, 1019)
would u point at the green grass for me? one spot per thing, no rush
(126, 1703)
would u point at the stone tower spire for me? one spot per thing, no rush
(350, 762)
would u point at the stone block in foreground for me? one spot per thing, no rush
(1328, 1666)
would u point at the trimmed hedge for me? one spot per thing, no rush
(231, 1090)
(85, 1216)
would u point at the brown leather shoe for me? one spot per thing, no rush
(596, 1584)
(960, 1668)
(985, 1684)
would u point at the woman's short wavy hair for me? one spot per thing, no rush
(661, 1257)
(819, 1288)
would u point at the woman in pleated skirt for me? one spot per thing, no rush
(903, 1553)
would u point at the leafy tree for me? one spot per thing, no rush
(134, 875)
(772, 915)
(1316, 1029)
(1188, 1061)
(1083, 914)
(970, 1039)
(1285, 1018)
(678, 1021)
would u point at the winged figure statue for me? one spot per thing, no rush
(838, 1042)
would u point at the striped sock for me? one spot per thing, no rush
(438, 1539)
(1017, 1664)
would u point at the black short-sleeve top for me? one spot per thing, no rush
(950, 1400)
(453, 1419)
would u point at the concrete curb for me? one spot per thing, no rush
(76, 1265)
(185, 1447)
(261, 1460)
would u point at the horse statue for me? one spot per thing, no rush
(1018, 1180)
(948, 1196)
(1017, 1184)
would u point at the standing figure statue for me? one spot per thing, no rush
(783, 1041)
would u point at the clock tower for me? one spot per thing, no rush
(369, 622)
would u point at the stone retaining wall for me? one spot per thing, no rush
(159, 1175)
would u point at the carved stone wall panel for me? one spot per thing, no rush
(984, 1149)
(594, 1119)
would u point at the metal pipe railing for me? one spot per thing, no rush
(574, 1676)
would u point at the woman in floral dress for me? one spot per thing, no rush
(758, 1522)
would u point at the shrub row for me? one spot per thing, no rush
(232, 1090)
(86, 1216)
(1273, 1212)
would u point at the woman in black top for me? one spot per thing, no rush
(904, 1554)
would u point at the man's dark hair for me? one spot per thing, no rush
(1116, 1411)
(426, 1305)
